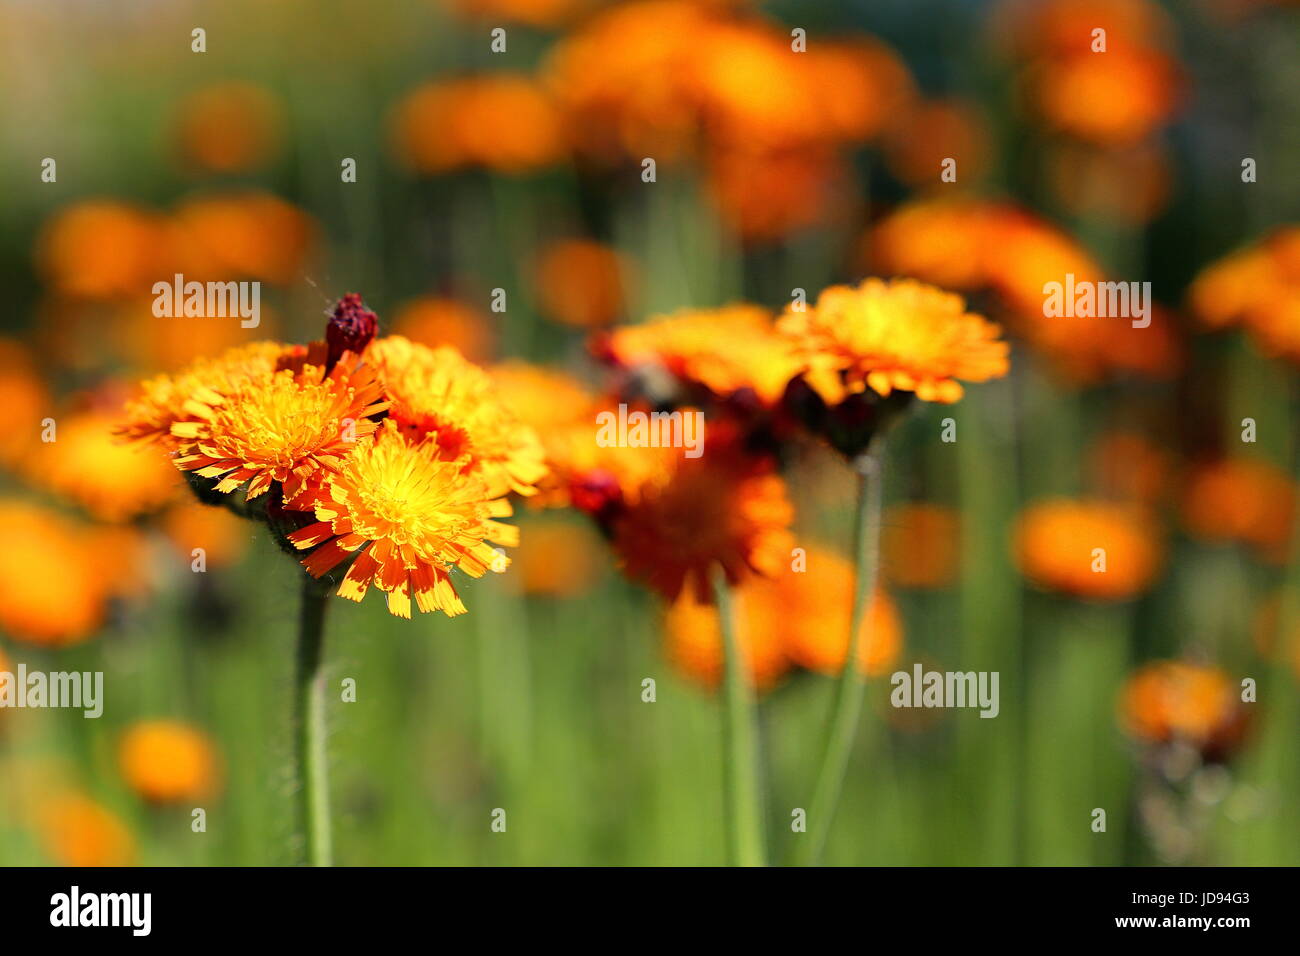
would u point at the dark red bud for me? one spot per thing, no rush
(350, 330)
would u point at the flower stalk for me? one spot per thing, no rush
(311, 770)
(849, 690)
(743, 795)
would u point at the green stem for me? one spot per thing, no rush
(309, 715)
(847, 706)
(740, 741)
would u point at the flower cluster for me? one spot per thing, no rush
(387, 456)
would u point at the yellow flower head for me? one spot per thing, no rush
(438, 394)
(162, 399)
(726, 350)
(898, 334)
(409, 515)
(290, 427)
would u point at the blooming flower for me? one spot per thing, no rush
(437, 393)
(891, 335)
(726, 351)
(163, 399)
(408, 515)
(289, 428)
(504, 122)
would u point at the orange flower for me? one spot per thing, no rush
(1227, 290)
(694, 638)
(54, 588)
(246, 234)
(1178, 701)
(163, 400)
(725, 508)
(1064, 27)
(77, 831)
(557, 558)
(894, 335)
(88, 466)
(406, 516)
(1258, 287)
(624, 79)
(819, 613)
(860, 87)
(503, 122)
(1276, 325)
(919, 545)
(291, 428)
(727, 351)
(227, 127)
(1029, 252)
(944, 241)
(434, 321)
(220, 534)
(797, 618)
(1241, 499)
(436, 392)
(581, 283)
(166, 761)
(101, 249)
(1113, 99)
(562, 412)
(1094, 550)
(25, 399)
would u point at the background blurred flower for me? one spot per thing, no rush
(557, 558)
(1168, 701)
(168, 761)
(581, 282)
(228, 127)
(86, 465)
(1056, 544)
(54, 585)
(77, 831)
(437, 320)
(101, 248)
(815, 610)
(502, 122)
(1245, 500)
(693, 638)
(239, 235)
